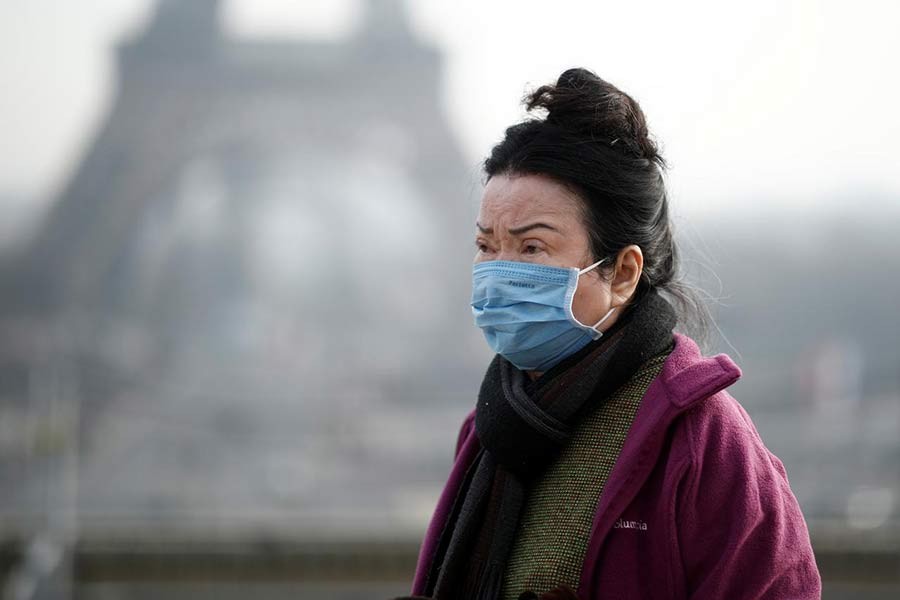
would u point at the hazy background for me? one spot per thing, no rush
(235, 236)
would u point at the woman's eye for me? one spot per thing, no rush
(531, 249)
(481, 246)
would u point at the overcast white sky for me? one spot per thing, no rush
(771, 99)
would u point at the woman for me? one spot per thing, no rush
(604, 458)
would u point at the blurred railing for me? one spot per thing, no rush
(145, 564)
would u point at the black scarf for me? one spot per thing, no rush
(521, 426)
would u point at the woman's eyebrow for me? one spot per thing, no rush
(518, 230)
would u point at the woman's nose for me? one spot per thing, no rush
(508, 255)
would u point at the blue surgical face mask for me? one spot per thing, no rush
(525, 312)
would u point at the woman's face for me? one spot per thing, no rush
(533, 218)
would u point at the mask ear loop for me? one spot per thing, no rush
(586, 269)
(606, 316)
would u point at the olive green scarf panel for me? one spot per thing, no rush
(553, 533)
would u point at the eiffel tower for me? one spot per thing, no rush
(285, 218)
(202, 118)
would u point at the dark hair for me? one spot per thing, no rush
(594, 140)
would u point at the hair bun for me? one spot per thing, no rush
(584, 104)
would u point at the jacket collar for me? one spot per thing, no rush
(688, 376)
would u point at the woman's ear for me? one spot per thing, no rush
(629, 266)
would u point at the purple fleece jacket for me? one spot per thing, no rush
(695, 507)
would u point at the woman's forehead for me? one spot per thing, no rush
(519, 198)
